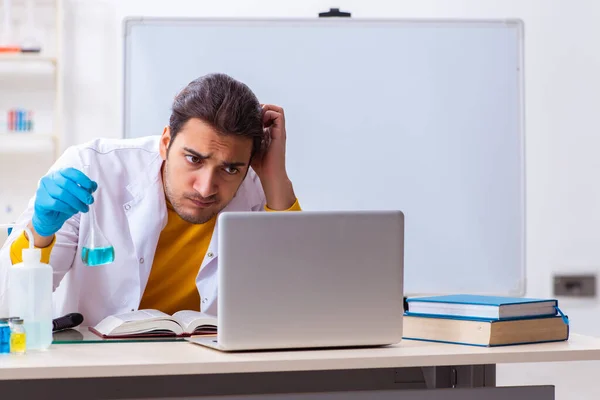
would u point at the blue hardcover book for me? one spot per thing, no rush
(466, 306)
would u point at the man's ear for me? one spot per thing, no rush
(165, 139)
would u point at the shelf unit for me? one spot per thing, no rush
(26, 78)
(34, 142)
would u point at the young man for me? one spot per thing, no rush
(156, 199)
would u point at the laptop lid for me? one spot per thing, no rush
(310, 279)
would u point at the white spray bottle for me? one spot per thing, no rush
(30, 296)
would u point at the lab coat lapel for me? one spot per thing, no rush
(240, 202)
(146, 215)
(207, 278)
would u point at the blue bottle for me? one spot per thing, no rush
(4, 336)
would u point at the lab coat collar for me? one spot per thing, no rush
(149, 176)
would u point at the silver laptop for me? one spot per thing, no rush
(309, 279)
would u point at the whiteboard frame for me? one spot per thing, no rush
(129, 22)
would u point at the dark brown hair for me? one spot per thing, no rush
(226, 104)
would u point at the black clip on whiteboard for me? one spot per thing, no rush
(334, 12)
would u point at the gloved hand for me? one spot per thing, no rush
(61, 195)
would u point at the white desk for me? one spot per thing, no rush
(417, 370)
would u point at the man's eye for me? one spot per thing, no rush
(231, 170)
(193, 159)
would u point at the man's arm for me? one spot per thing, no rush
(60, 254)
(270, 166)
(279, 193)
(294, 207)
(62, 246)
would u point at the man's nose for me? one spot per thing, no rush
(206, 182)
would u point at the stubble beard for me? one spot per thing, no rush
(180, 209)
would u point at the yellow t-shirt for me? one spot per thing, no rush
(181, 248)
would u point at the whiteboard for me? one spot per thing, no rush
(422, 116)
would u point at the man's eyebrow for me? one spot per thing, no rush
(195, 153)
(234, 164)
(204, 157)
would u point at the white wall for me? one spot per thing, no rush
(562, 127)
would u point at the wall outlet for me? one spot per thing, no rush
(582, 285)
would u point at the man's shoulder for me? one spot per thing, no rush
(142, 149)
(148, 144)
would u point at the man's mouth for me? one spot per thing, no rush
(202, 203)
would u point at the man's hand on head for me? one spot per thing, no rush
(270, 164)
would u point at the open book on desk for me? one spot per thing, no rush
(146, 323)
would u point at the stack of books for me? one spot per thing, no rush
(484, 320)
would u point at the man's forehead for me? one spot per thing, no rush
(219, 142)
(220, 147)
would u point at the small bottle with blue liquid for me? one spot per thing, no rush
(4, 336)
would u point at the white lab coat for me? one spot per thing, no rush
(131, 211)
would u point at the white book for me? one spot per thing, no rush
(143, 323)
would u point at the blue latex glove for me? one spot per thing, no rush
(61, 195)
